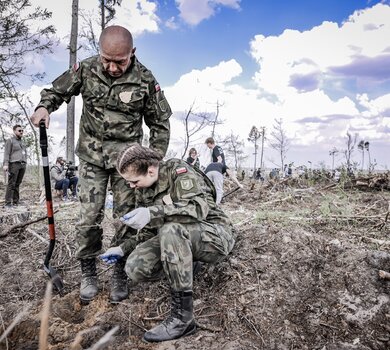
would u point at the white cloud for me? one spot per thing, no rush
(138, 16)
(323, 49)
(195, 11)
(297, 81)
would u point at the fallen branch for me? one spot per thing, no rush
(44, 240)
(24, 224)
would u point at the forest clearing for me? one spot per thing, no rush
(309, 271)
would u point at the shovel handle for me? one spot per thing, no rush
(46, 175)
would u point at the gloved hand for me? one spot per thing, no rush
(112, 255)
(137, 218)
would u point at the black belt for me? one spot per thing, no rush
(19, 161)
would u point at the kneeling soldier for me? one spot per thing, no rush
(177, 204)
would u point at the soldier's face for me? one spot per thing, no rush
(141, 181)
(116, 61)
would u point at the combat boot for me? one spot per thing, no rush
(88, 286)
(180, 323)
(119, 290)
(196, 268)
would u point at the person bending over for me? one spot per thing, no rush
(215, 172)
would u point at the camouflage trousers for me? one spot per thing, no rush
(93, 188)
(174, 249)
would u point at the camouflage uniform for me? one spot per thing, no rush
(186, 225)
(113, 109)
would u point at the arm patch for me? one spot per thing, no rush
(181, 170)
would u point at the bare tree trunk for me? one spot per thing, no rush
(103, 21)
(262, 146)
(72, 61)
(254, 167)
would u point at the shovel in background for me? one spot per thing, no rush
(55, 278)
(230, 192)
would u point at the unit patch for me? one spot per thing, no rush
(125, 96)
(186, 184)
(167, 199)
(157, 87)
(181, 170)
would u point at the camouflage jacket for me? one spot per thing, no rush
(113, 109)
(182, 194)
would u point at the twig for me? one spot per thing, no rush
(2, 323)
(245, 221)
(277, 200)
(207, 328)
(105, 340)
(254, 328)
(44, 331)
(79, 337)
(13, 324)
(44, 240)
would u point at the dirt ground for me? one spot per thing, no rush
(304, 274)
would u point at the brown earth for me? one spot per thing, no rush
(303, 275)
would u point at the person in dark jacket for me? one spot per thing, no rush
(15, 161)
(193, 158)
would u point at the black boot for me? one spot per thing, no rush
(88, 286)
(180, 323)
(119, 289)
(196, 268)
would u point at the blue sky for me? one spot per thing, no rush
(321, 66)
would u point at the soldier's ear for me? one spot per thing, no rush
(152, 171)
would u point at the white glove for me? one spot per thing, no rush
(137, 218)
(112, 255)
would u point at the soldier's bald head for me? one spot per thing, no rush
(116, 50)
(115, 36)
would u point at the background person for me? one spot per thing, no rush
(215, 172)
(193, 158)
(118, 94)
(62, 181)
(15, 161)
(178, 206)
(217, 154)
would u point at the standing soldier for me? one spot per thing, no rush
(118, 93)
(15, 160)
(176, 204)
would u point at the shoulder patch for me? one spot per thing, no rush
(186, 184)
(181, 170)
(157, 87)
(76, 66)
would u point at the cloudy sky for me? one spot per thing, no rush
(321, 66)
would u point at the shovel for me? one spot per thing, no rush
(230, 192)
(55, 278)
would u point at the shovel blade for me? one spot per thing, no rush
(55, 278)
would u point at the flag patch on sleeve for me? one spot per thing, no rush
(181, 170)
(76, 66)
(157, 87)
